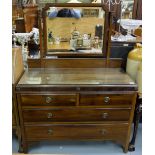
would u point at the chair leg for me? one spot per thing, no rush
(137, 117)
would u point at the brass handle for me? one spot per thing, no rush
(48, 99)
(106, 99)
(49, 115)
(50, 132)
(103, 131)
(105, 115)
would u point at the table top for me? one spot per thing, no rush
(76, 76)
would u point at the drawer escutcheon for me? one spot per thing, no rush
(103, 131)
(106, 99)
(50, 132)
(48, 99)
(49, 115)
(105, 115)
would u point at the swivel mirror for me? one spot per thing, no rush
(74, 29)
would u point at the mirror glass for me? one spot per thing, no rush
(127, 9)
(74, 29)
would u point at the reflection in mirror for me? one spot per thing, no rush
(75, 29)
(127, 9)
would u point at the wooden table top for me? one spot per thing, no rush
(78, 76)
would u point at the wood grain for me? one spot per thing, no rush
(76, 63)
(56, 99)
(74, 107)
(81, 63)
(80, 88)
(78, 76)
(74, 114)
(30, 17)
(34, 63)
(99, 99)
(77, 131)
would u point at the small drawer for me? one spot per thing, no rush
(76, 115)
(77, 131)
(52, 100)
(106, 99)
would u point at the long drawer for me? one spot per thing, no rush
(75, 114)
(52, 99)
(77, 131)
(106, 99)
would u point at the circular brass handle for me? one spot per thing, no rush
(49, 115)
(48, 99)
(105, 115)
(50, 132)
(103, 131)
(106, 99)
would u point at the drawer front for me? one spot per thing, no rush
(76, 114)
(105, 99)
(77, 131)
(52, 100)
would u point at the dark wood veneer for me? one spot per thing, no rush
(100, 99)
(83, 112)
(80, 98)
(57, 99)
(77, 132)
(75, 114)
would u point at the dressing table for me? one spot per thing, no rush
(76, 98)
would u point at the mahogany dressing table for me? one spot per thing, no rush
(76, 104)
(76, 98)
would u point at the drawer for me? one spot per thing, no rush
(53, 100)
(76, 115)
(106, 99)
(77, 131)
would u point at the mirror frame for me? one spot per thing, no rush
(106, 36)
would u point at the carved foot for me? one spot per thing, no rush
(131, 148)
(125, 149)
(22, 149)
